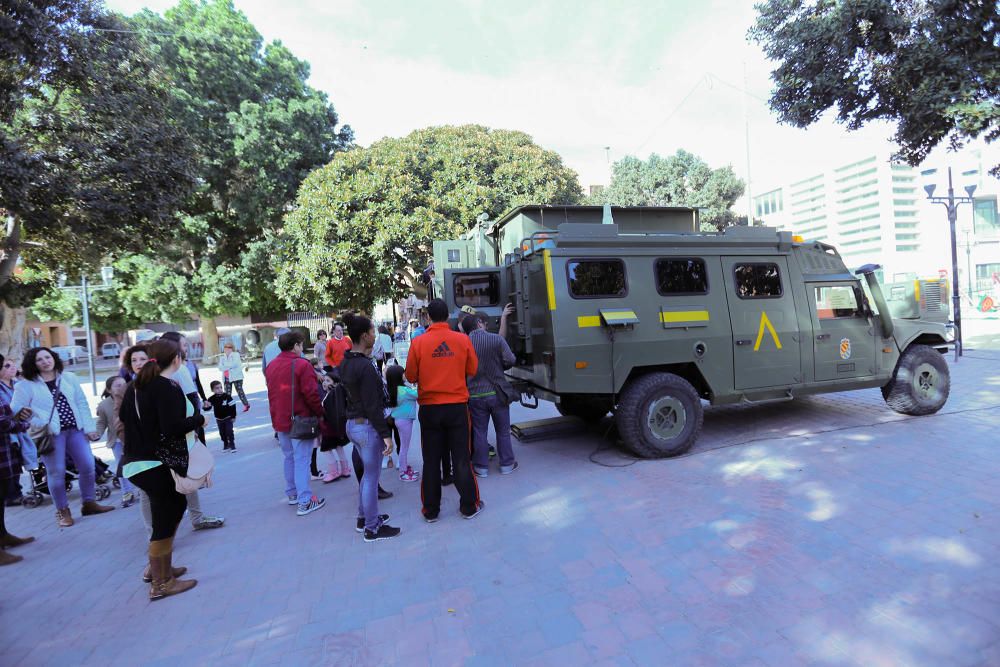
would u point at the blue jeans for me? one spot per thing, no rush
(116, 449)
(369, 445)
(296, 467)
(482, 410)
(73, 442)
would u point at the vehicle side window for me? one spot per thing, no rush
(835, 301)
(596, 278)
(757, 280)
(685, 275)
(477, 289)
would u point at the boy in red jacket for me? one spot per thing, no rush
(439, 363)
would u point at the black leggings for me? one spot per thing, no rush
(166, 505)
(5, 486)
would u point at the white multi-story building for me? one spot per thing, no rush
(876, 211)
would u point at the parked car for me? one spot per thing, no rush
(70, 354)
(111, 351)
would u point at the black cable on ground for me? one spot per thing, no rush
(633, 459)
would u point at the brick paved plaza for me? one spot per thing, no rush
(824, 531)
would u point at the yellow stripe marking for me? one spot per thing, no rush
(588, 321)
(549, 283)
(622, 314)
(766, 322)
(916, 290)
(684, 316)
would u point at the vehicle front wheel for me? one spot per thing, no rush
(920, 384)
(659, 415)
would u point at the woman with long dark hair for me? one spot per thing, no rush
(57, 402)
(159, 426)
(366, 424)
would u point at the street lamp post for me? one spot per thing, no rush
(968, 264)
(107, 274)
(951, 203)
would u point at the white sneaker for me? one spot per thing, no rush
(310, 507)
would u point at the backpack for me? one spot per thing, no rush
(335, 408)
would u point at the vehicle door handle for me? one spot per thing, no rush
(822, 336)
(743, 341)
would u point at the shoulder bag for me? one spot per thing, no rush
(42, 436)
(303, 428)
(201, 464)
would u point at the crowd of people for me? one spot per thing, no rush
(349, 391)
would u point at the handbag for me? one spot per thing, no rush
(42, 436)
(303, 428)
(200, 466)
(505, 392)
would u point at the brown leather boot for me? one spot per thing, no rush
(147, 575)
(164, 584)
(91, 507)
(64, 518)
(8, 559)
(8, 540)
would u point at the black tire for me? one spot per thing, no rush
(588, 409)
(659, 415)
(920, 384)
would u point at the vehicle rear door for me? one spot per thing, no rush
(843, 336)
(766, 347)
(479, 288)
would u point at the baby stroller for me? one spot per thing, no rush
(40, 482)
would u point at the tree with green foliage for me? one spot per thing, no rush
(258, 129)
(93, 163)
(683, 179)
(930, 66)
(363, 225)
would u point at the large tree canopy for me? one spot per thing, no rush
(258, 129)
(931, 66)
(362, 222)
(683, 179)
(92, 163)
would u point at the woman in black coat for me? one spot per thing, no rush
(159, 426)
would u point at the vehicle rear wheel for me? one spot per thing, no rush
(659, 415)
(920, 384)
(588, 409)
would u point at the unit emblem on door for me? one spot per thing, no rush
(845, 348)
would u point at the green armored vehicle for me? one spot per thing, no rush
(646, 317)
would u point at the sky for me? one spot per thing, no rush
(593, 81)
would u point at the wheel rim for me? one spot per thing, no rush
(666, 417)
(925, 381)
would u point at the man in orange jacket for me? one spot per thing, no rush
(439, 363)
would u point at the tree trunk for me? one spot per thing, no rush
(11, 331)
(209, 338)
(11, 319)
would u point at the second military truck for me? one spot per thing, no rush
(634, 311)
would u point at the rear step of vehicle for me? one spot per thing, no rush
(542, 429)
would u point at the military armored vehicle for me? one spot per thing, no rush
(634, 311)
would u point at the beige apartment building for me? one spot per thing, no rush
(876, 211)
